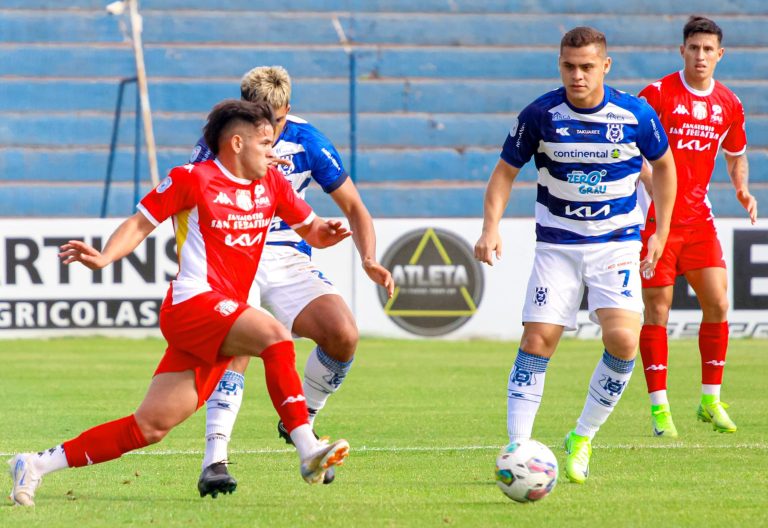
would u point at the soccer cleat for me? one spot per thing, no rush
(579, 449)
(715, 414)
(214, 479)
(285, 435)
(661, 419)
(25, 479)
(314, 468)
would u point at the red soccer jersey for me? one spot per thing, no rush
(221, 222)
(697, 123)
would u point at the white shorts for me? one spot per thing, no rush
(286, 282)
(611, 272)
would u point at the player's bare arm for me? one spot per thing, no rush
(323, 233)
(496, 198)
(363, 233)
(738, 170)
(646, 178)
(125, 239)
(664, 184)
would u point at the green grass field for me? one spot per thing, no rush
(425, 420)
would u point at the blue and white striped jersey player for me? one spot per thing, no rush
(588, 141)
(287, 283)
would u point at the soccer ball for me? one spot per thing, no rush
(526, 471)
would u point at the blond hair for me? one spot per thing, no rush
(267, 83)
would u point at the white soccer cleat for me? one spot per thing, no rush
(314, 467)
(25, 479)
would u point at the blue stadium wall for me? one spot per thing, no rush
(437, 86)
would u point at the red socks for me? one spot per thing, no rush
(713, 345)
(655, 354)
(284, 384)
(104, 442)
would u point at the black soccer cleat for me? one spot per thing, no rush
(214, 479)
(283, 433)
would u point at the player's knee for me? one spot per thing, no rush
(340, 342)
(717, 310)
(537, 344)
(621, 342)
(656, 314)
(153, 430)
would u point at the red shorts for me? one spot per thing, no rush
(195, 330)
(687, 249)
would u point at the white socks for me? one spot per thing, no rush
(525, 388)
(322, 377)
(50, 460)
(605, 388)
(221, 413)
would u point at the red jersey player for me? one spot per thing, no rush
(699, 115)
(221, 211)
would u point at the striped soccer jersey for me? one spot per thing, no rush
(312, 155)
(588, 163)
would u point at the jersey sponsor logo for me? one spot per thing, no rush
(261, 201)
(513, 130)
(580, 131)
(520, 137)
(655, 130)
(693, 144)
(243, 199)
(223, 199)
(614, 132)
(681, 110)
(575, 153)
(244, 240)
(589, 183)
(195, 153)
(561, 116)
(226, 307)
(563, 131)
(717, 114)
(540, 295)
(586, 211)
(613, 116)
(700, 109)
(164, 185)
(331, 158)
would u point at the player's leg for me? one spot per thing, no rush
(654, 351)
(552, 298)
(710, 285)
(256, 333)
(654, 347)
(171, 399)
(615, 303)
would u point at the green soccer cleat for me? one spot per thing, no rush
(661, 419)
(579, 449)
(715, 414)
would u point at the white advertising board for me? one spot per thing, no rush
(441, 293)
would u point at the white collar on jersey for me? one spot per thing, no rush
(229, 175)
(694, 91)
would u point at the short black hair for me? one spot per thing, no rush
(231, 111)
(582, 36)
(700, 24)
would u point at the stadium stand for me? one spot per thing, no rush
(438, 85)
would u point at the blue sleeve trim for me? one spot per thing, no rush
(336, 184)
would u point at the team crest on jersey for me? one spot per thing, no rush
(615, 132)
(700, 109)
(540, 296)
(286, 169)
(243, 199)
(226, 308)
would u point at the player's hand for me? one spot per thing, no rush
(648, 264)
(380, 275)
(486, 246)
(78, 251)
(332, 232)
(749, 203)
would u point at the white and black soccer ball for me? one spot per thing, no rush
(526, 471)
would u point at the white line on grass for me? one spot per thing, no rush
(677, 445)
